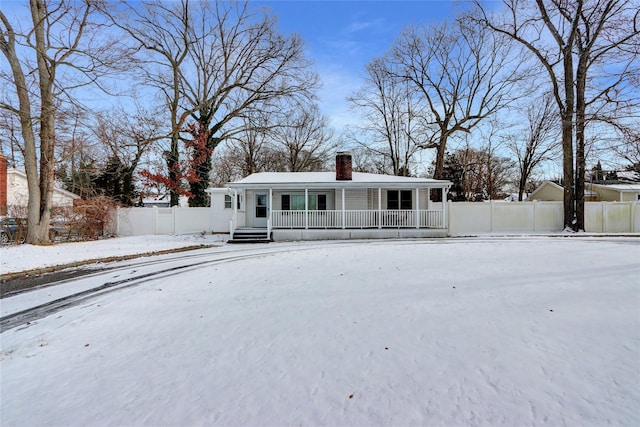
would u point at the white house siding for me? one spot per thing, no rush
(355, 199)
(220, 215)
(612, 195)
(18, 192)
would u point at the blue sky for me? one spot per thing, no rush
(343, 36)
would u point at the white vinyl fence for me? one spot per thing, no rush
(139, 221)
(464, 218)
(539, 217)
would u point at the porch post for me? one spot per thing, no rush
(269, 209)
(417, 207)
(306, 208)
(235, 201)
(444, 207)
(379, 207)
(343, 213)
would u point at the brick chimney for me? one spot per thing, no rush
(3, 185)
(343, 166)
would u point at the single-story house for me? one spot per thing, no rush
(614, 192)
(17, 191)
(618, 192)
(331, 205)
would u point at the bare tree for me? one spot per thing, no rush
(241, 63)
(62, 50)
(305, 141)
(535, 143)
(485, 174)
(463, 71)
(125, 138)
(163, 31)
(559, 33)
(386, 103)
(608, 36)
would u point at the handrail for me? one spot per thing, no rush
(232, 225)
(355, 219)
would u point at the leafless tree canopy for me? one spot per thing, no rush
(464, 73)
(535, 141)
(390, 109)
(213, 64)
(62, 49)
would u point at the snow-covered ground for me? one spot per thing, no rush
(485, 331)
(16, 258)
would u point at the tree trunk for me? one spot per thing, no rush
(39, 210)
(567, 137)
(581, 81)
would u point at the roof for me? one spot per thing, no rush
(545, 184)
(328, 180)
(623, 188)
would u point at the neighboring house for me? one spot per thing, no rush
(549, 191)
(330, 205)
(613, 192)
(163, 201)
(17, 192)
(618, 192)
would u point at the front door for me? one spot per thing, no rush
(260, 218)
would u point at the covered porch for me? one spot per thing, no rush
(400, 207)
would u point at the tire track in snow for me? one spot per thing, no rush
(25, 317)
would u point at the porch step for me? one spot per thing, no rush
(250, 235)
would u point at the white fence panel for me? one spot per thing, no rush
(539, 217)
(513, 217)
(136, 221)
(139, 221)
(469, 217)
(165, 221)
(192, 220)
(549, 216)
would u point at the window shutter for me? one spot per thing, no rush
(286, 202)
(322, 202)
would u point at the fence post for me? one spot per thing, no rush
(605, 212)
(535, 217)
(155, 220)
(492, 213)
(173, 215)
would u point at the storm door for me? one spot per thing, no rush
(260, 218)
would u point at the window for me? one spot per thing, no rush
(228, 201)
(399, 199)
(295, 202)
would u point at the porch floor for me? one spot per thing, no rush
(280, 235)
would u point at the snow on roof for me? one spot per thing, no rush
(628, 175)
(620, 187)
(283, 179)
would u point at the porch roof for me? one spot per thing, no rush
(327, 180)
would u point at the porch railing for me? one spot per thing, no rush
(357, 219)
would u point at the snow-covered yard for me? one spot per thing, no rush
(487, 331)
